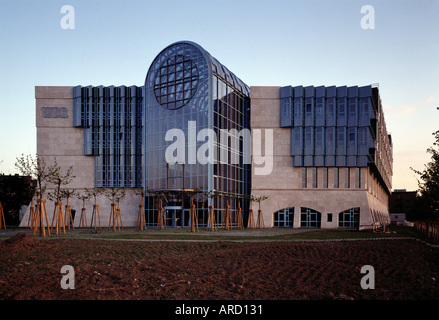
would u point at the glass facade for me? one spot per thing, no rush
(112, 118)
(196, 114)
(338, 127)
(331, 126)
(176, 98)
(188, 127)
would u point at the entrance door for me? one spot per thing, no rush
(174, 216)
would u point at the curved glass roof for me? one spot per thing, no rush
(229, 76)
(218, 68)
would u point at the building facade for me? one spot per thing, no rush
(193, 124)
(332, 156)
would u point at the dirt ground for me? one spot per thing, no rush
(30, 269)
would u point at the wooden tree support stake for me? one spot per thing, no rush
(227, 220)
(119, 216)
(193, 221)
(141, 218)
(115, 214)
(260, 222)
(93, 216)
(59, 218)
(251, 219)
(83, 219)
(68, 217)
(41, 215)
(161, 218)
(239, 222)
(211, 224)
(2, 217)
(31, 219)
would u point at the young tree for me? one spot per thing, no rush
(211, 221)
(40, 171)
(428, 192)
(115, 195)
(59, 179)
(260, 220)
(67, 194)
(95, 192)
(37, 169)
(83, 196)
(141, 215)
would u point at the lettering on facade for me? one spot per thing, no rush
(54, 112)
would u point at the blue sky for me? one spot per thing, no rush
(265, 43)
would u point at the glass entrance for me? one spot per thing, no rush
(174, 216)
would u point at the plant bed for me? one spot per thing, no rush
(218, 270)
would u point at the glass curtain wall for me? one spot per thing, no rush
(112, 121)
(231, 123)
(186, 92)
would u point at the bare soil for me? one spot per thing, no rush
(217, 270)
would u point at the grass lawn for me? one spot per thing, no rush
(270, 234)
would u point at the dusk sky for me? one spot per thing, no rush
(265, 43)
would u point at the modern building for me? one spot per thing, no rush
(321, 155)
(332, 156)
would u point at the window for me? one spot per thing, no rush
(341, 107)
(353, 108)
(286, 112)
(304, 182)
(357, 178)
(351, 135)
(353, 118)
(314, 177)
(308, 139)
(362, 137)
(329, 217)
(341, 112)
(341, 140)
(330, 141)
(176, 82)
(325, 178)
(349, 218)
(298, 117)
(319, 132)
(308, 110)
(347, 178)
(298, 141)
(336, 178)
(284, 218)
(364, 108)
(330, 107)
(319, 107)
(310, 218)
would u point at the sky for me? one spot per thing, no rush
(265, 43)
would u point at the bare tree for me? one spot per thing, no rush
(59, 179)
(36, 168)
